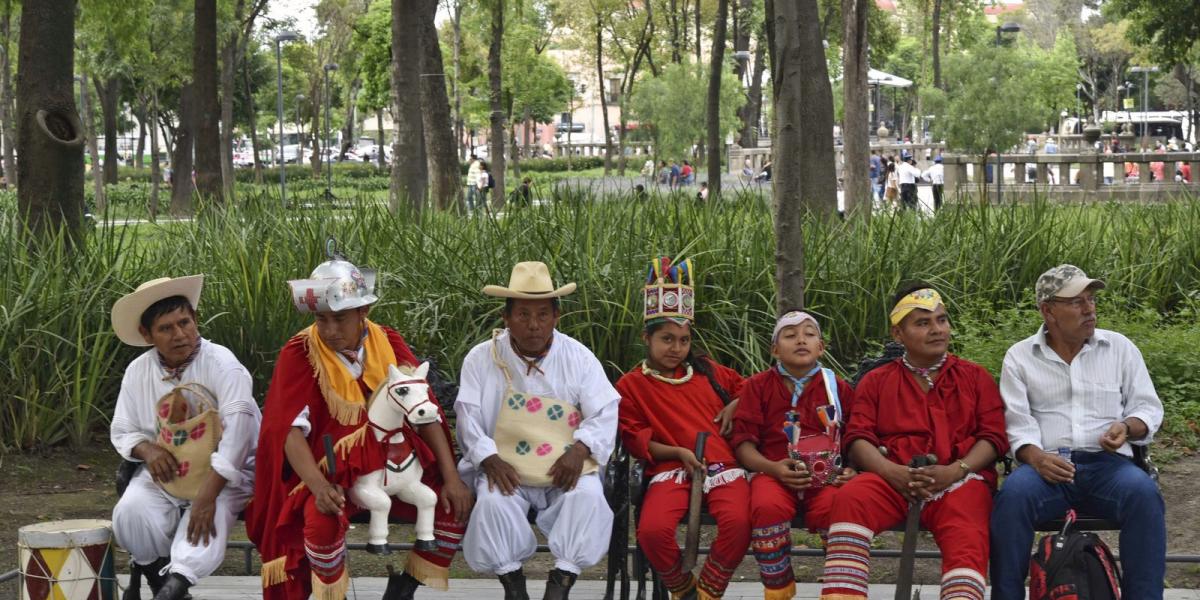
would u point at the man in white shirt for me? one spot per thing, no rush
(907, 174)
(1075, 398)
(174, 550)
(937, 176)
(522, 370)
(473, 169)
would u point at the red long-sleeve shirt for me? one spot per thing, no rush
(763, 406)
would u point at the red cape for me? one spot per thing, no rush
(274, 517)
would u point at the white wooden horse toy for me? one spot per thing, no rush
(399, 399)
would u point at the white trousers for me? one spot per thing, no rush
(577, 524)
(151, 523)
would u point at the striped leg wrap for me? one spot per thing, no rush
(677, 580)
(847, 561)
(328, 565)
(714, 578)
(962, 584)
(772, 546)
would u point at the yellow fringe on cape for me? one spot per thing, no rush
(342, 393)
(274, 572)
(780, 594)
(331, 591)
(428, 573)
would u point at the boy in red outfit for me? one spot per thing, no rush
(928, 402)
(777, 409)
(665, 402)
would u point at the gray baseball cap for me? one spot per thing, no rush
(1064, 281)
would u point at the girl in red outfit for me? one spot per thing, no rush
(665, 402)
(795, 404)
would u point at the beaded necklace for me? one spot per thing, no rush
(647, 371)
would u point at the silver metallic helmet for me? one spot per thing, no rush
(333, 286)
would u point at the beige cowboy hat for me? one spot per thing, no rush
(127, 312)
(529, 281)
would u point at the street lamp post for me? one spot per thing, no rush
(300, 124)
(284, 36)
(1079, 103)
(328, 150)
(1000, 29)
(1145, 71)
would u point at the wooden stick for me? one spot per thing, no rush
(692, 539)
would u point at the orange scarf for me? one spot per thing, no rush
(342, 393)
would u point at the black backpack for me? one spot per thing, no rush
(1073, 565)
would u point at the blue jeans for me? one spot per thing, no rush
(1106, 485)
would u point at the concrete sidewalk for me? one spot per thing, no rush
(364, 588)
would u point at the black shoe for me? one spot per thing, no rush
(401, 586)
(175, 588)
(514, 585)
(152, 573)
(558, 584)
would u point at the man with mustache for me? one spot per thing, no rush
(1075, 398)
(928, 402)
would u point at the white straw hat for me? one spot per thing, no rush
(127, 312)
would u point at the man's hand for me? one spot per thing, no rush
(725, 417)
(457, 499)
(501, 475)
(792, 473)
(901, 478)
(927, 481)
(1115, 437)
(162, 464)
(688, 458)
(565, 471)
(847, 474)
(200, 523)
(330, 498)
(1053, 468)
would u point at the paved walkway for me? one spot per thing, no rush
(246, 588)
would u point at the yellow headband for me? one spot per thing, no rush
(927, 299)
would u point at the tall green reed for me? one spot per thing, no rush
(62, 364)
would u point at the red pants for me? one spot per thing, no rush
(867, 505)
(772, 508)
(325, 555)
(665, 504)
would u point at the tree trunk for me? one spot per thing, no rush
(741, 43)
(716, 69)
(458, 120)
(783, 20)
(497, 106)
(379, 145)
(181, 159)
(228, 63)
(254, 147)
(603, 90)
(816, 158)
(409, 174)
(348, 137)
(140, 148)
(109, 93)
(856, 123)
(207, 112)
(7, 122)
(937, 44)
(89, 123)
(676, 52)
(699, 57)
(155, 172)
(439, 132)
(754, 104)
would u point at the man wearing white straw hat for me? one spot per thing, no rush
(536, 417)
(186, 412)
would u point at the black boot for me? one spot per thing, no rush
(558, 584)
(152, 573)
(400, 586)
(174, 588)
(514, 585)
